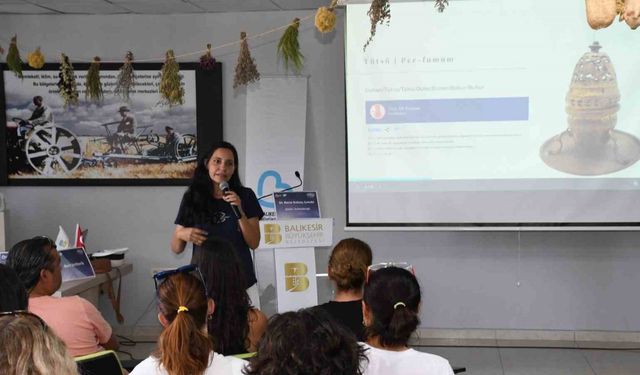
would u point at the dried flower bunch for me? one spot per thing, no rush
(246, 69)
(14, 62)
(379, 13)
(126, 78)
(171, 89)
(94, 86)
(67, 82)
(207, 62)
(35, 59)
(441, 4)
(325, 20)
(289, 47)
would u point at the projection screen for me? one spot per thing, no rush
(505, 114)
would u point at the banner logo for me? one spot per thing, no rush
(295, 277)
(272, 234)
(279, 185)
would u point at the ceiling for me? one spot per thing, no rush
(151, 6)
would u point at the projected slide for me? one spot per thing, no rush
(492, 113)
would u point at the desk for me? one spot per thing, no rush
(89, 289)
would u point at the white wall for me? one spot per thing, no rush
(582, 281)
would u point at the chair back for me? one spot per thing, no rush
(105, 362)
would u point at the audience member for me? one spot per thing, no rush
(75, 320)
(184, 348)
(307, 342)
(30, 348)
(13, 296)
(347, 270)
(236, 326)
(390, 308)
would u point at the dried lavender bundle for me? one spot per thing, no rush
(94, 86)
(126, 78)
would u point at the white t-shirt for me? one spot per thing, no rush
(218, 365)
(407, 362)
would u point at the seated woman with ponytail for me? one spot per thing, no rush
(390, 308)
(184, 347)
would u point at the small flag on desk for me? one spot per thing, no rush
(79, 237)
(62, 241)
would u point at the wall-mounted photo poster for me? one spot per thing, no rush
(112, 140)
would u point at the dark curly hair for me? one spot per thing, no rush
(307, 342)
(392, 323)
(224, 276)
(197, 200)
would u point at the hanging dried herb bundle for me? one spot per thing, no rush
(325, 20)
(35, 59)
(441, 4)
(94, 86)
(1, 50)
(246, 69)
(207, 62)
(67, 82)
(289, 48)
(13, 57)
(379, 13)
(126, 79)
(171, 89)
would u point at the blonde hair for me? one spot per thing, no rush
(29, 347)
(348, 263)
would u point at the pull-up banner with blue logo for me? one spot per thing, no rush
(275, 122)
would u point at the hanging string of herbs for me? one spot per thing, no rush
(35, 59)
(126, 78)
(379, 13)
(171, 89)
(14, 62)
(246, 69)
(289, 47)
(441, 4)
(325, 19)
(207, 62)
(67, 82)
(94, 86)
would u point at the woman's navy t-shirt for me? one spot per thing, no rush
(223, 223)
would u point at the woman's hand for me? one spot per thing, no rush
(232, 198)
(195, 235)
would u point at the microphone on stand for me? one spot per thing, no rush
(224, 186)
(287, 189)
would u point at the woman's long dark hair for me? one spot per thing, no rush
(226, 284)
(198, 199)
(393, 297)
(307, 342)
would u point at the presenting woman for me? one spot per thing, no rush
(210, 208)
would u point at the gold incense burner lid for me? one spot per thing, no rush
(590, 145)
